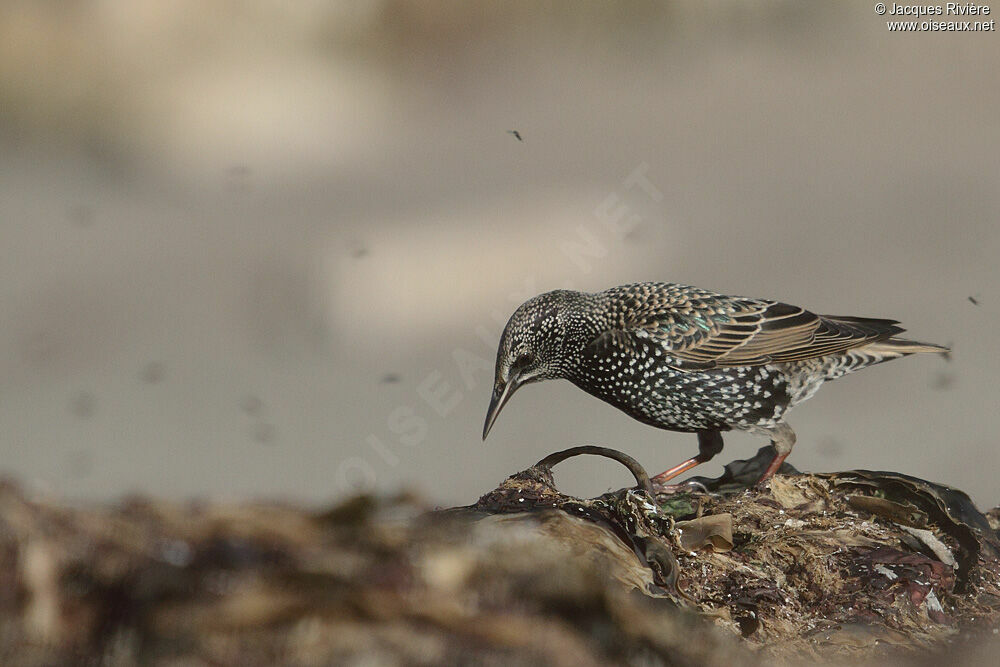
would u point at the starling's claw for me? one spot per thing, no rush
(683, 487)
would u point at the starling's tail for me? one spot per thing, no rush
(900, 347)
(875, 353)
(868, 355)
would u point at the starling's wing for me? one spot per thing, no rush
(706, 330)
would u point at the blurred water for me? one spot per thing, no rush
(248, 251)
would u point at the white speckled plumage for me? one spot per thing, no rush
(687, 359)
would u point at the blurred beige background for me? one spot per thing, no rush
(266, 248)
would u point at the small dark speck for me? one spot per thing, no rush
(943, 381)
(634, 235)
(359, 250)
(152, 373)
(83, 405)
(79, 463)
(974, 301)
(81, 215)
(390, 378)
(264, 433)
(517, 135)
(238, 177)
(830, 448)
(251, 404)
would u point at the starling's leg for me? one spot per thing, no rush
(782, 439)
(709, 444)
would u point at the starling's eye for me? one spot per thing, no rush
(522, 361)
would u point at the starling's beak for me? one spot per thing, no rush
(499, 400)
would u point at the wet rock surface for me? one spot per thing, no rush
(858, 566)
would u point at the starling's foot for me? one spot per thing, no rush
(771, 469)
(683, 487)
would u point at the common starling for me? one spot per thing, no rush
(686, 359)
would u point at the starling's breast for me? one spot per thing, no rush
(644, 384)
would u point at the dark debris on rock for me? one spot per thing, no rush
(854, 566)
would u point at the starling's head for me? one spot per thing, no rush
(538, 343)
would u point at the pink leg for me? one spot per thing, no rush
(709, 444)
(668, 475)
(783, 439)
(773, 468)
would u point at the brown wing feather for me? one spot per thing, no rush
(789, 333)
(713, 331)
(808, 335)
